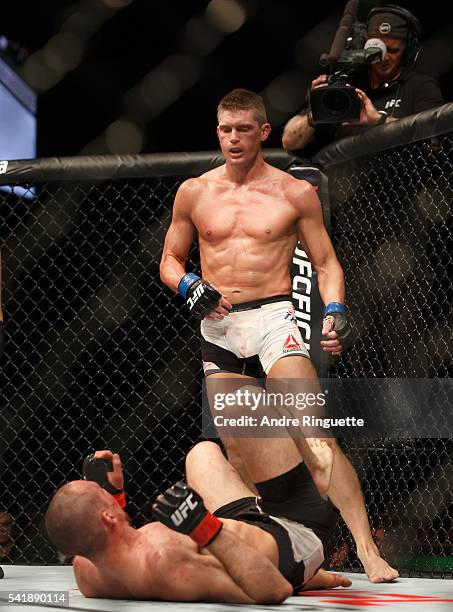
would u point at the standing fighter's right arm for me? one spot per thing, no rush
(202, 298)
(179, 237)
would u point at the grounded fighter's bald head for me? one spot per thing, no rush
(73, 519)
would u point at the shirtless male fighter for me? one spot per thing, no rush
(248, 217)
(190, 554)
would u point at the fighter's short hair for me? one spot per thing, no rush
(243, 99)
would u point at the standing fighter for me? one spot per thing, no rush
(248, 217)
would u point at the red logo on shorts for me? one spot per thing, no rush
(291, 343)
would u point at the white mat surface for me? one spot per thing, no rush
(405, 595)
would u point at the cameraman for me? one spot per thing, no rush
(389, 90)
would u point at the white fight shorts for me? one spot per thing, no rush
(251, 338)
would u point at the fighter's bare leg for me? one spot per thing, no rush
(344, 490)
(315, 452)
(322, 463)
(233, 446)
(218, 483)
(213, 477)
(257, 461)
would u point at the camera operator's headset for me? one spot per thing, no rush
(414, 34)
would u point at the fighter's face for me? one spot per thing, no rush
(240, 135)
(388, 69)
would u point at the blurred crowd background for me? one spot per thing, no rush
(129, 76)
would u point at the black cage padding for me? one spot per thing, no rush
(428, 124)
(103, 167)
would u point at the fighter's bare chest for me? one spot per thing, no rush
(256, 215)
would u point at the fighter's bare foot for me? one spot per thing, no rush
(377, 569)
(320, 464)
(326, 580)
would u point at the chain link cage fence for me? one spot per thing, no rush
(99, 354)
(391, 217)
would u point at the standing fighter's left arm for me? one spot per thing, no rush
(337, 332)
(316, 243)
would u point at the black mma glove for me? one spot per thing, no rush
(335, 313)
(96, 468)
(181, 508)
(200, 296)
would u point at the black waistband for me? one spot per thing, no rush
(238, 506)
(258, 303)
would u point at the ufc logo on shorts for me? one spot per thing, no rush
(196, 296)
(181, 513)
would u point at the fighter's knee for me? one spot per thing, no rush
(202, 452)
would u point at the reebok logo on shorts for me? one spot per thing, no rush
(291, 344)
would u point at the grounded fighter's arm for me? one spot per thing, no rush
(259, 578)
(179, 237)
(240, 574)
(104, 467)
(92, 584)
(234, 574)
(316, 242)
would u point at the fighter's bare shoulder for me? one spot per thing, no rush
(191, 188)
(300, 193)
(211, 177)
(294, 188)
(291, 185)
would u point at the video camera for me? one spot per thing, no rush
(350, 51)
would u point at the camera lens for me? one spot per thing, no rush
(336, 101)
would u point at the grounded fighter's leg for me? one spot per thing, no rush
(213, 477)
